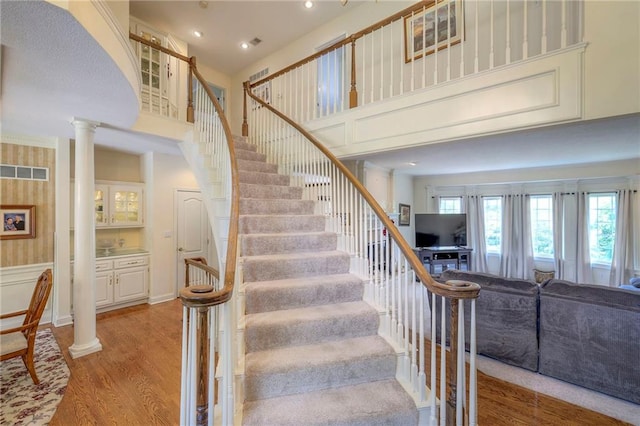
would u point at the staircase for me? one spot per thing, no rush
(313, 353)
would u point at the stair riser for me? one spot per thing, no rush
(278, 269)
(240, 144)
(264, 178)
(248, 190)
(258, 206)
(276, 224)
(320, 377)
(256, 245)
(257, 166)
(243, 154)
(261, 337)
(277, 298)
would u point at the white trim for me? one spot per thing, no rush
(37, 141)
(162, 298)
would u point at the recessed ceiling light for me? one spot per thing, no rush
(308, 4)
(198, 33)
(244, 45)
(412, 163)
(204, 4)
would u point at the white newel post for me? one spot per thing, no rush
(84, 283)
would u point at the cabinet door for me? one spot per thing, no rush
(104, 288)
(131, 283)
(101, 205)
(125, 206)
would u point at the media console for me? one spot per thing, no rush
(436, 260)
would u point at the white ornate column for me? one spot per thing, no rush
(84, 241)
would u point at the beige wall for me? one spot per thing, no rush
(41, 194)
(113, 165)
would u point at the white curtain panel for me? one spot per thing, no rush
(475, 232)
(583, 258)
(516, 258)
(623, 255)
(557, 200)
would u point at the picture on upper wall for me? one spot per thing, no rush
(443, 20)
(405, 215)
(18, 221)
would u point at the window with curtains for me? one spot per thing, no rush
(541, 208)
(450, 205)
(602, 226)
(492, 223)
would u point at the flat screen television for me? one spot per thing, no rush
(441, 230)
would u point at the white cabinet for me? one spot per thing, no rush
(118, 205)
(121, 280)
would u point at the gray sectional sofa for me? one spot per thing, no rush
(583, 334)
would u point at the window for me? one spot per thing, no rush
(602, 227)
(541, 225)
(493, 223)
(450, 205)
(330, 79)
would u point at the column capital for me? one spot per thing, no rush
(81, 123)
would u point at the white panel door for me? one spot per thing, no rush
(193, 231)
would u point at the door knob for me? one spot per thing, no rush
(180, 249)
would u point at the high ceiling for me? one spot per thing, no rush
(226, 24)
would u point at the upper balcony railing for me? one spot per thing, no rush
(400, 54)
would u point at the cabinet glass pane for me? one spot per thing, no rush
(155, 55)
(98, 197)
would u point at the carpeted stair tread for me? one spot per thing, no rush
(257, 166)
(243, 154)
(240, 143)
(257, 244)
(264, 296)
(370, 404)
(253, 190)
(268, 224)
(263, 177)
(308, 368)
(268, 206)
(291, 265)
(304, 326)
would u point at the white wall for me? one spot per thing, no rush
(402, 192)
(163, 175)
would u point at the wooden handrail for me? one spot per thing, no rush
(189, 297)
(457, 289)
(349, 40)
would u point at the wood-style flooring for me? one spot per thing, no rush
(135, 379)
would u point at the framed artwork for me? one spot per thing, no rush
(422, 27)
(405, 215)
(18, 221)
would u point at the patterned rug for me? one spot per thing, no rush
(22, 402)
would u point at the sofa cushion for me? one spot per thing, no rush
(506, 317)
(590, 336)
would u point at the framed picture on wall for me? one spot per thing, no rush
(18, 221)
(441, 19)
(405, 215)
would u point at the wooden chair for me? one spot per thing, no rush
(20, 341)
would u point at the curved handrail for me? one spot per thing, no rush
(223, 295)
(226, 292)
(459, 289)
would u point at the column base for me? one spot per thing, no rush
(77, 351)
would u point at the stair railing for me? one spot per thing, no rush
(397, 55)
(208, 354)
(396, 282)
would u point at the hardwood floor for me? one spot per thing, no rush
(135, 379)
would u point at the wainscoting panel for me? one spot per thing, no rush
(16, 288)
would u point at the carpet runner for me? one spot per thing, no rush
(313, 353)
(24, 403)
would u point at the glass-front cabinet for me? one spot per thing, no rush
(118, 205)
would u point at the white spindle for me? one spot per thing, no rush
(443, 364)
(563, 34)
(391, 62)
(382, 63)
(544, 27)
(212, 367)
(473, 376)
(460, 376)
(424, 46)
(507, 52)
(373, 61)
(435, 48)
(185, 373)
(491, 39)
(363, 88)
(413, 52)
(460, 30)
(525, 38)
(449, 41)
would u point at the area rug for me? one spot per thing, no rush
(22, 402)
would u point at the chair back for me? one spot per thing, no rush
(38, 302)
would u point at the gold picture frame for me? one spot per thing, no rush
(420, 29)
(18, 221)
(404, 217)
